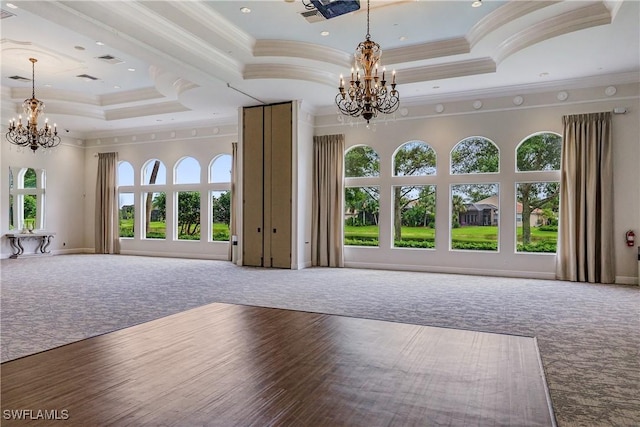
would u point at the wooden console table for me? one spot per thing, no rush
(44, 238)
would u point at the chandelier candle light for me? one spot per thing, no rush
(29, 135)
(367, 95)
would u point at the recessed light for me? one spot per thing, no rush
(131, 69)
(436, 87)
(99, 43)
(116, 87)
(403, 38)
(245, 10)
(476, 3)
(11, 6)
(78, 47)
(324, 33)
(545, 74)
(47, 85)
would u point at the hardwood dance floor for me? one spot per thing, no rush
(226, 365)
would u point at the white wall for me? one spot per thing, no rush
(507, 126)
(304, 181)
(64, 193)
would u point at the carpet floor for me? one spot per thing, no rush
(588, 334)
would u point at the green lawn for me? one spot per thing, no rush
(468, 237)
(157, 230)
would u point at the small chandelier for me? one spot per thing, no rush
(369, 95)
(29, 135)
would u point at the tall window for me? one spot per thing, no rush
(126, 201)
(154, 203)
(537, 200)
(361, 199)
(26, 198)
(220, 197)
(414, 206)
(187, 171)
(475, 207)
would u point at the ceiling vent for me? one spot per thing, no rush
(87, 77)
(20, 79)
(6, 14)
(313, 15)
(110, 59)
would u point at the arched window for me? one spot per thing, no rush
(361, 161)
(125, 173)
(414, 206)
(475, 154)
(475, 207)
(414, 158)
(539, 152)
(154, 173)
(26, 198)
(187, 171)
(537, 192)
(126, 199)
(361, 202)
(220, 169)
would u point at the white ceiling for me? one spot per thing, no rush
(198, 61)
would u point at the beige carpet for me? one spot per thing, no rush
(587, 334)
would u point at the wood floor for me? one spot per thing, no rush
(228, 365)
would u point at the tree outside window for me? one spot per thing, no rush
(537, 202)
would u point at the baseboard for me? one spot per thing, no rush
(626, 280)
(176, 255)
(453, 270)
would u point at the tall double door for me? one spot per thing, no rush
(267, 185)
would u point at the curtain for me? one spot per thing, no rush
(107, 238)
(327, 204)
(234, 197)
(585, 236)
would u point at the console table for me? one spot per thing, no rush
(43, 237)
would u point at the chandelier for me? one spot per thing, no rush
(367, 95)
(29, 135)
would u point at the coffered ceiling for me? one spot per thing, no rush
(105, 66)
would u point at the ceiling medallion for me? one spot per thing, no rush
(367, 95)
(29, 135)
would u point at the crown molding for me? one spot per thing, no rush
(295, 49)
(502, 16)
(526, 89)
(213, 22)
(145, 110)
(131, 96)
(419, 52)
(226, 127)
(448, 70)
(287, 71)
(144, 18)
(49, 94)
(574, 20)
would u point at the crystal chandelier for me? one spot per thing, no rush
(29, 135)
(367, 95)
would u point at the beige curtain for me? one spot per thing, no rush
(107, 238)
(232, 220)
(327, 205)
(585, 236)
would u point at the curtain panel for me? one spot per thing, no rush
(107, 228)
(585, 236)
(327, 201)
